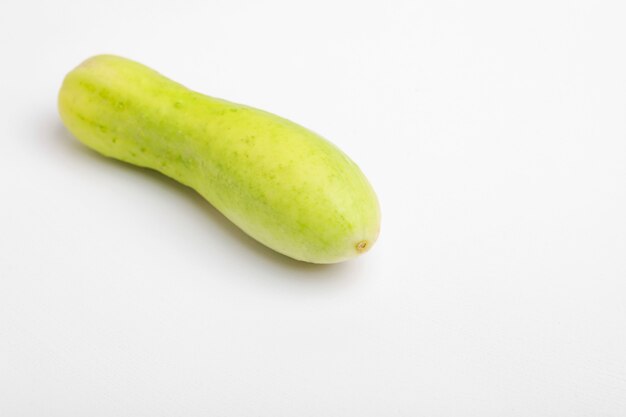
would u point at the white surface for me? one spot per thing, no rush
(494, 133)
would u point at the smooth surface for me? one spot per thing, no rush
(494, 134)
(280, 183)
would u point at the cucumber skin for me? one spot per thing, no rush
(282, 184)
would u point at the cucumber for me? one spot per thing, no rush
(282, 184)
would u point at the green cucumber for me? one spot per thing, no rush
(282, 184)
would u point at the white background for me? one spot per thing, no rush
(494, 133)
